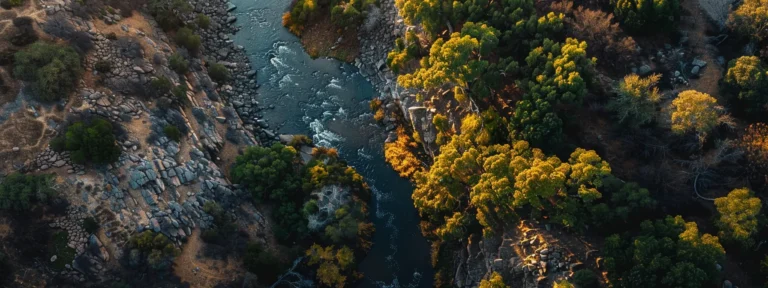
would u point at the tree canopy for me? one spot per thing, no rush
(694, 111)
(636, 101)
(738, 216)
(91, 142)
(52, 70)
(666, 253)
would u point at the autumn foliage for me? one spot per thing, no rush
(400, 154)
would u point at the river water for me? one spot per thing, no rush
(328, 100)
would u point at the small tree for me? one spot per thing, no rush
(738, 213)
(635, 104)
(747, 77)
(92, 142)
(20, 191)
(188, 39)
(178, 64)
(203, 21)
(103, 66)
(219, 73)
(161, 85)
(694, 111)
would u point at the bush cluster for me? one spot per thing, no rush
(52, 70)
(19, 192)
(89, 142)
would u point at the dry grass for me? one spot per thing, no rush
(204, 272)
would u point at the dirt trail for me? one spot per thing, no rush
(203, 272)
(695, 24)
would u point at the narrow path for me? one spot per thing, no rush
(695, 24)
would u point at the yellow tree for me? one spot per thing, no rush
(694, 111)
(751, 19)
(738, 216)
(494, 282)
(636, 101)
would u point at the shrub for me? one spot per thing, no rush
(746, 77)
(112, 36)
(178, 64)
(379, 115)
(218, 73)
(90, 225)
(224, 226)
(754, 143)
(161, 85)
(172, 132)
(20, 191)
(52, 70)
(739, 213)
(179, 92)
(694, 111)
(647, 15)
(400, 154)
(25, 33)
(15, 3)
(158, 250)
(103, 66)
(165, 12)
(636, 101)
(585, 279)
(262, 263)
(186, 38)
(92, 142)
(605, 38)
(750, 19)
(203, 21)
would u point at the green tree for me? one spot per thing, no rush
(187, 38)
(642, 15)
(262, 262)
(585, 279)
(750, 19)
(666, 253)
(636, 101)
(747, 76)
(738, 216)
(456, 62)
(219, 73)
(269, 172)
(203, 21)
(52, 70)
(19, 192)
(694, 111)
(92, 142)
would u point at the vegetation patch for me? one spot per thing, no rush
(52, 70)
(64, 254)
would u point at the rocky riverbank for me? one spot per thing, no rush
(218, 47)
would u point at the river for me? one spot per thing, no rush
(328, 100)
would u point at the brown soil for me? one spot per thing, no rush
(696, 24)
(320, 40)
(204, 272)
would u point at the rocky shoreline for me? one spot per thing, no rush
(219, 48)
